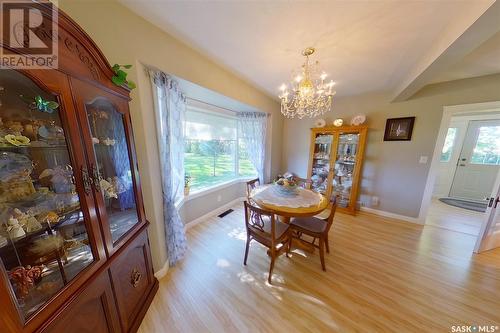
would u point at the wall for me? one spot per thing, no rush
(199, 206)
(126, 38)
(391, 170)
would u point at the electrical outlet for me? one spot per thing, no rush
(423, 159)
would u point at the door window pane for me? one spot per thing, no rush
(487, 149)
(113, 165)
(43, 238)
(448, 144)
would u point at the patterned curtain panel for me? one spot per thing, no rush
(170, 108)
(252, 127)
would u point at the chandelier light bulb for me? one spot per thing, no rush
(310, 96)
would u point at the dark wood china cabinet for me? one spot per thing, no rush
(74, 249)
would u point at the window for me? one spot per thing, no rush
(487, 149)
(448, 144)
(213, 153)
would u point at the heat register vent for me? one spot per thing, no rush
(229, 211)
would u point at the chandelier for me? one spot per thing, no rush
(309, 94)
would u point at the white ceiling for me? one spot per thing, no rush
(482, 61)
(364, 45)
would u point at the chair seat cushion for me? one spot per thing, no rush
(324, 214)
(279, 230)
(311, 224)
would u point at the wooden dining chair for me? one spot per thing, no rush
(303, 182)
(251, 184)
(263, 227)
(317, 229)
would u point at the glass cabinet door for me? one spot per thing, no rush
(44, 241)
(112, 165)
(345, 163)
(321, 163)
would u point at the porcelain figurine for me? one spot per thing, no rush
(3, 241)
(109, 142)
(28, 222)
(15, 229)
(108, 189)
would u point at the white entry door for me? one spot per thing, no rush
(489, 235)
(479, 161)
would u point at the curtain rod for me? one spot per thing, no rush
(220, 107)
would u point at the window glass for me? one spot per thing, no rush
(487, 149)
(448, 144)
(213, 153)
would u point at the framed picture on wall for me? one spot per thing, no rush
(399, 129)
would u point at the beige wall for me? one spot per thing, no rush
(126, 38)
(391, 170)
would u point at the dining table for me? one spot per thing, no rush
(301, 202)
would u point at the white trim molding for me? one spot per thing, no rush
(162, 271)
(448, 112)
(213, 213)
(391, 215)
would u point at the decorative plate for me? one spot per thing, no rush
(358, 120)
(338, 122)
(320, 123)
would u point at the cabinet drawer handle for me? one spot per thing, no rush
(135, 278)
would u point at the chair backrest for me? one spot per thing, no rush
(251, 184)
(256, 220)
(304, 183)
(333, 208)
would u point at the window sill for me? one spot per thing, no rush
(202, 192)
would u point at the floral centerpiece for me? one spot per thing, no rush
(287, 186)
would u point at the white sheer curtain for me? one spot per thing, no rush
(170, 108)
(252, 128)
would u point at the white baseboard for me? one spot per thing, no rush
(215, 212)
(391, 215)
(162, 271)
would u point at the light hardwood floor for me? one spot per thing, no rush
(454, 218)
(382, 276)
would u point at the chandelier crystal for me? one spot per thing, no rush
(309, 94)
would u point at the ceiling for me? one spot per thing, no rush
(483, 60)
(365, 46)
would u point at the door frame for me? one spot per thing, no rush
(448, 112)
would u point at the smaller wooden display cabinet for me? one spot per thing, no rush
(336, 157)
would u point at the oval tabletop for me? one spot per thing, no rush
(304, 203)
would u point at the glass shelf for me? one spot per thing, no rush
(321, 162)
(43, 238)
(345, 164)
(113, 163)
